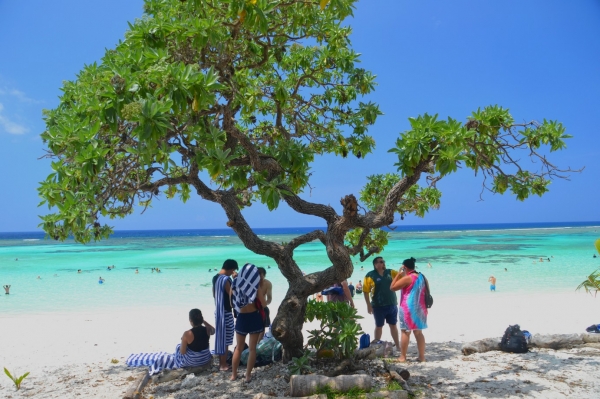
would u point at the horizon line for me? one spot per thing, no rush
(324, 227)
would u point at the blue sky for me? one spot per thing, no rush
(540, 59)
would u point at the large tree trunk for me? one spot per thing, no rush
(287, 325)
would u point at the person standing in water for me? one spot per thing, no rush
(492, 281)
(7, 289)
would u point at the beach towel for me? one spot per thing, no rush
(223, 319)
(245, 286)
(412, 307)
(158, 361)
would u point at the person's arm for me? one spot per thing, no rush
(210, 330)
(347, 293)
(368, 301)
(262, 293)
(186, 338)
(269, 293)
(400, 280)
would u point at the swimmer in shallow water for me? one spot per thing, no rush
(492, 281)
(7, 289)
(100, 280)
(136, 271)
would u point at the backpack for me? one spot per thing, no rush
(428, 297)
(365, 341)
(268, 350)
(514, 340)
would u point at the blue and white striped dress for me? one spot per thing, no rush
(223, 319)
(159, 361)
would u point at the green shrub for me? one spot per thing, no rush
(18, 380)
(300, 365)
(339, 330)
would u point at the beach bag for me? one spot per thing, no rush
(594, 329)
(267, 351)
(364, 342)
(514, 340)
(428, 297)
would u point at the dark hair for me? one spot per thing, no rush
(262, 270)
(410, 263)
(376, 259)
(196, 317)
(230, 264)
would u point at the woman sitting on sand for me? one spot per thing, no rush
(192, 352)
(412, 312)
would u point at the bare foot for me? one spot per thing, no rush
(421, 360)
(402, 359)
(233, 377)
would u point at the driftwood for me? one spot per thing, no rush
(170, 375)
(550, 341)
(556, 341)
(350, 365)
(484, 345)
(135, 390)
(400, 376)
(591, 338)
(304, 385)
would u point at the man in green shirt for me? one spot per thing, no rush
(381, 300)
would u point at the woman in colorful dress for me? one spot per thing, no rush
(412, 309)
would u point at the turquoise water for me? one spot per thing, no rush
(462, 262)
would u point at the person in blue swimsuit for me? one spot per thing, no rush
(492, 281)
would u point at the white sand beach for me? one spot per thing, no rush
(75, 354)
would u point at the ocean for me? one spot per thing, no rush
(525, 258)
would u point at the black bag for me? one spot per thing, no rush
(428, 297)
(514, 340)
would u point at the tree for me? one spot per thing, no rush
(242, 95)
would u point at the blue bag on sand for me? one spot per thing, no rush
(527, 335)
(594, 328)
(364, 342)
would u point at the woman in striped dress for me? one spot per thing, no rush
(412, 310)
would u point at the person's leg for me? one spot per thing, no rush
(379, 322)
(378, 331)
(237, 354)
(223, 366)
(392, 319)
(404, 345)
(251, 355)
(420, 344)
(394, 332)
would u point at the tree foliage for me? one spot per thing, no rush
(233, 100)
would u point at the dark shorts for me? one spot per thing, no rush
(267, 317)
(385, 314)
(249, 323)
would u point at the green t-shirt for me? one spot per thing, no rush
(379, 287)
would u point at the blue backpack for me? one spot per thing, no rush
(365, 341)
